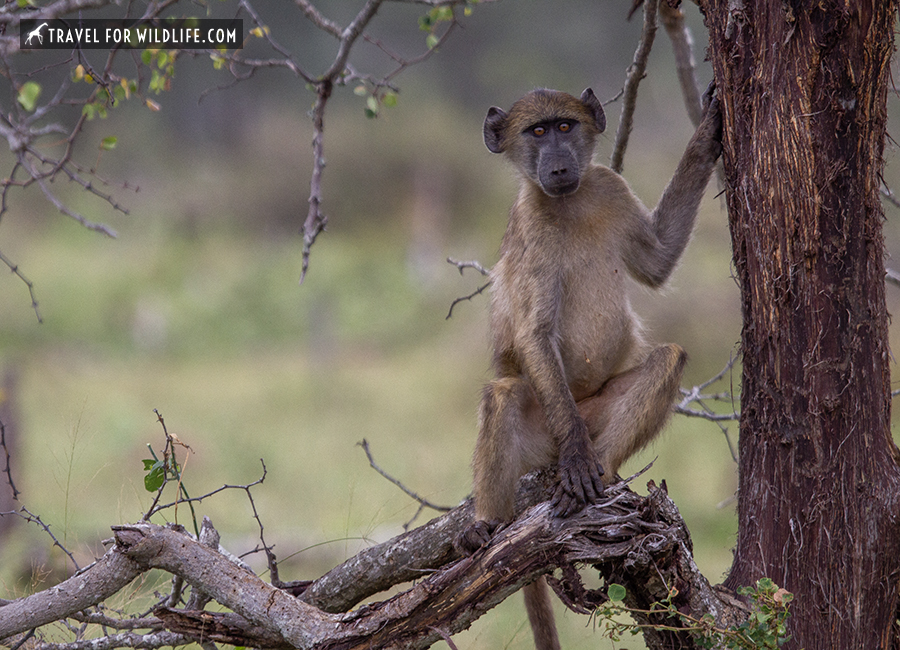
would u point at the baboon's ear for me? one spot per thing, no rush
(494, 124)
(595, 107)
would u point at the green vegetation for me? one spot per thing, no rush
(765, 627)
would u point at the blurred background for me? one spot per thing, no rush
(195, 308)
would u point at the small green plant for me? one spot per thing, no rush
(159, 471)
(764, 628)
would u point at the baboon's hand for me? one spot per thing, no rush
(474, 536)
(579, 480)
(712, 119)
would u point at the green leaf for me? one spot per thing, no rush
(155, 477)
(444, 13)
(765, 584)
(431, 41)
(109, 143)
(616, 592)
(389, 99)
(147, 57)
(28, 95)
(360, 91)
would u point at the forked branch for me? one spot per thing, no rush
(625, 536)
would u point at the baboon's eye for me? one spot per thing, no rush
(539, 131)
(565, 127)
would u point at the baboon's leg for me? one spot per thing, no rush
(512, 440)
(632, 408)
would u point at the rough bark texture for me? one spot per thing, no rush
(803, 87)
(639, 541)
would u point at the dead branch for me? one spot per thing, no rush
(92, 585)
(636, 72)
(472, 264)
(412, 495)
(628, 537)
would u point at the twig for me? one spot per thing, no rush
(477, 291)
(887, 193)
(315, 220)
(471, 264)
(33, 518)
(635, 74)
(425, 502)
(892, 276)
(696, 396)
(14, 268)
(444, 636)
(7, 470)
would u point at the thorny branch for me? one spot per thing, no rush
(467, 265)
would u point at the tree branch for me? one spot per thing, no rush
(635, 74)
(639, 541)
(682, 47)
(93, 584)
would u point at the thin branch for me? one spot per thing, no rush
(696, 396)
(422, 500)
(471, 264)
(888, 193)
(477, 292)
(682, 47)
(315, 220)
(288, 60)
(28, 283)
(187, 499)
(35, 519)
(348, 38)
(149, 641)
(317, 19)
(892, 276)
(7, 470)
(636, 73)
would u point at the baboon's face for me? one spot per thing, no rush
(549, 136)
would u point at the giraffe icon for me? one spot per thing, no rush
(36, 32)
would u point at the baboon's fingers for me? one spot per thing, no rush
(475, 536)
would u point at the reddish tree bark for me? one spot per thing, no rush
(804, 87)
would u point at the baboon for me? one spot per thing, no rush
(577, 384)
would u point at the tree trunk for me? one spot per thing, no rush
(804, 87)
